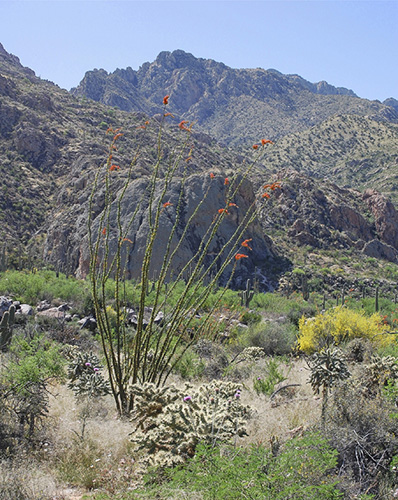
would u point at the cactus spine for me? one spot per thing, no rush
(6, 328)
(246, 295)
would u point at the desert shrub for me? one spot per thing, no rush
(250, 318)
(362, 430)
(302, 470)
(275, 338)
(171, 421)
(276, 303)
(273, 375)
(340, 325)
(296, 313)
(32, 287)
(190, 366)
(28, 369)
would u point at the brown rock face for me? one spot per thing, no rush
(386, 217)
(346, 218)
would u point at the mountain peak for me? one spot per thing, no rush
(12, 63)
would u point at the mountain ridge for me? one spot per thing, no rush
(51, 143)
(232, 105)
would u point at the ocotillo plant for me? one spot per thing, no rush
(152, 351)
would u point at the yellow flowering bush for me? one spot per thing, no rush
(340, 325)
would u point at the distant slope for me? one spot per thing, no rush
(352, 151)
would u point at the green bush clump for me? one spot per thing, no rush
(32, 287)
(273, 376)
(276, 339)
(250, 318)
(302, 470)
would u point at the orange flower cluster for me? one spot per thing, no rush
(245, 243)
(273, 186)
(263, 143)
(223, 211)
(166, 100)
(182, 126)
(167, 204)
(239, 256)
(114, 167)
(212, 175)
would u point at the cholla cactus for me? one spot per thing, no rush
(85, 378)
(172, 421)
(327, 367)
(250, 354)
(379, 371)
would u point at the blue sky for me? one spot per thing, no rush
(351, 44)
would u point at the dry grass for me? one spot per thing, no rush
(90, 445)
(290, 412)
(25, 479)
(98, 455)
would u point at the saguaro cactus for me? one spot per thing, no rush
(246, 295)
(6, 328)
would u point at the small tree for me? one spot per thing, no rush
(149, 353)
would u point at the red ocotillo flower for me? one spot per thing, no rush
(114, 167)
(212, 175)
(266, 141)
(226, 181)
(255, 146)
(182, 126)
(167, 204)
(245, 243)
(233, 205)
(166, 99)
(223, 211)
(239, 256)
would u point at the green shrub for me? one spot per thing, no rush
(250, 318)
(273, 375)
(275, 338)
(32, 287)
(301, 471)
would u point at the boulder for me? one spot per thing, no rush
(380, 250)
